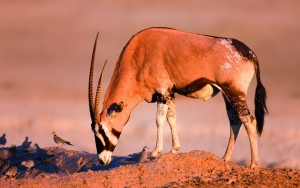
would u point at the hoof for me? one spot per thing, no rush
(253, 166)
(175, 150)
(155, 154)
(226, 160)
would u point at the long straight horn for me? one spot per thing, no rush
(91, 98)
(98, 93)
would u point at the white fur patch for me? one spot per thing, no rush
(112, 138)
(233, 56)
(226, 66)
(226, 41)
(105, 156)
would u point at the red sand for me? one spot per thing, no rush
(193, 169)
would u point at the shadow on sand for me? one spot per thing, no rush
(54, 160)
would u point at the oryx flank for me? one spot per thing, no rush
(155, 64)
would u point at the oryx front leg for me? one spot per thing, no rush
(171, 117)
(160, 120)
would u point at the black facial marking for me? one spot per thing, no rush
(115, 108)
(93, 126)
(119, 107)
(99, 145)
(108, 145)
(111, 147)
(116, 133)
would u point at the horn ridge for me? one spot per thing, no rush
(98, 93)
(90, 89)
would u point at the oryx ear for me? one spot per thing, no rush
(114, 109)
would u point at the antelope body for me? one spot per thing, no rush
(156, 63)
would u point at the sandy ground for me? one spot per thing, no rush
(45, 49)
(67, 168)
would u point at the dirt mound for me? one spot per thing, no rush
(197, 168)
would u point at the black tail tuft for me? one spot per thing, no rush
(260, 103)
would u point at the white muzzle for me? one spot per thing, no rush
(105, 157)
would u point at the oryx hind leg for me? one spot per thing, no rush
(162, 109)
(235, 124)
(171, 117)
(238, 101)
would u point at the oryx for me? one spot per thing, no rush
(156, 63)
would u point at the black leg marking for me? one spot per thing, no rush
(237, 99)
(235, 122)
(157, 97)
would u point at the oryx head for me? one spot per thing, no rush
(106, 138)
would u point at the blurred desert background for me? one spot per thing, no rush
(45, 52)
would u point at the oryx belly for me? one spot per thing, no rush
(204, 93)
